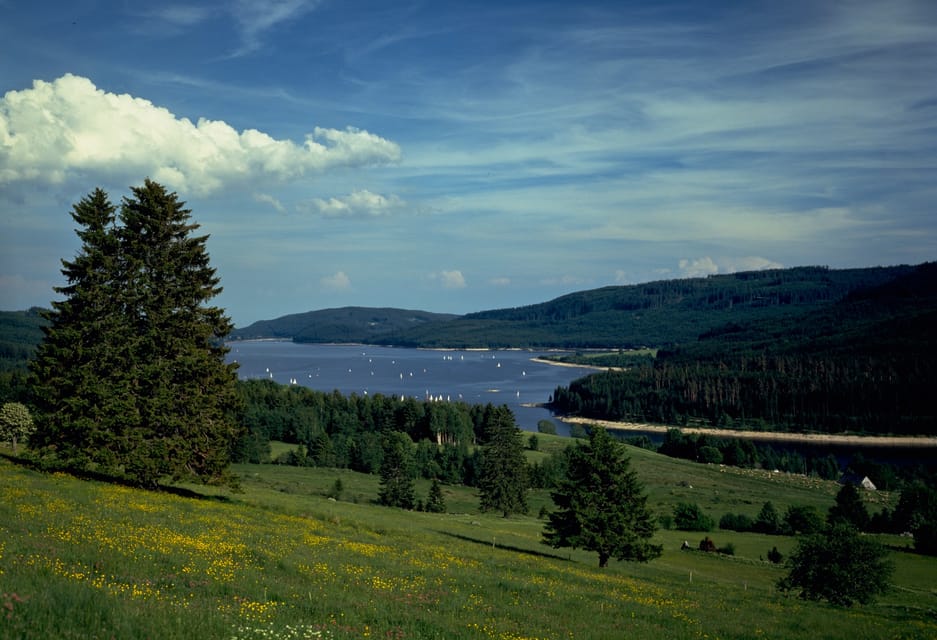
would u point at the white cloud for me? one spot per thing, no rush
(500, 282)
(706, 266)
(452, 279)
(360, 204)
(256, 17)
(58, 129)
(268, 199)
(338, 281)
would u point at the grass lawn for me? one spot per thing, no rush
(81, 559)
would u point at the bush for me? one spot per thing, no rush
(736, 522)
(689, 517)
(728, 549)
(839, 566)
(545, 426)
(775, 556)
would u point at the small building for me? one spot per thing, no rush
(855, 479)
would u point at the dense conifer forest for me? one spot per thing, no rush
(865, 364)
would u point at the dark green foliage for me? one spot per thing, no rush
(503, 482)
(775, 556)
(397, 471)
(917, 512)
(736, 522)
(839, 566)
(130, 379)
(865, 363)
(767, 520)
(20, 332)
(849, 509)
(338, 487)
(546, 426)
(802, 519)
(690, 517)
(347, 324)
(533, 442)
(601, 504)
(435, 502)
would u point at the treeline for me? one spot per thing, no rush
(334, 430)
(653, 314)
(866, 365)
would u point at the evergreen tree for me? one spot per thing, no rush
(76, 375)
(768, 520)
(397, 471)
(849, 509)
(601, 504)
(503, 481)
(131, 378)
(435, 502)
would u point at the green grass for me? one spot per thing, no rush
(82, 559)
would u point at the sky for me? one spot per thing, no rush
(464, 156)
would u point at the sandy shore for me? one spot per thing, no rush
(927, 442)
(574, 365)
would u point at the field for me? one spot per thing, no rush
(81, 559)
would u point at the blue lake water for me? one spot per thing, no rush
(509, 378)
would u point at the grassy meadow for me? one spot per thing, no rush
(82, 559)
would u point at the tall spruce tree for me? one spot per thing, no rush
(601, 504)
(75, 374)
(397, 471)
(148, 394)
(503, 481)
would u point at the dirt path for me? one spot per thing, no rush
(928, 442)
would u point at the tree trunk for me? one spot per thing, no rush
(603, 559)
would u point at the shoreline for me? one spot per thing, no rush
(926, 442)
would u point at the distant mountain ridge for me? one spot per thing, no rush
(658, 313)
(345, 324)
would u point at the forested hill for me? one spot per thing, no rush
(347, 324)
(653, 314)
(865, 364)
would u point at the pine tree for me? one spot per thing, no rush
(435, 502)
(74, 376)
(601, 504)
(397, 471)
(503, 481)
(131, 378)
(849, 509)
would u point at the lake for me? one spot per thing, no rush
(509, 377)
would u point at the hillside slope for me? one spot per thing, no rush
(652, 314)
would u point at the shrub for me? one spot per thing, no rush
(545, 426)
(839, 566)
(736, 522)
(728, 549)
(689, 517)
(775, 556)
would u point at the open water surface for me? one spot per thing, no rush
(477, 377)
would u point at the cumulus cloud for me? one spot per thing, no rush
(338, 281)
(452, 279)
(68, 126)
(706, 266)
(360, 204)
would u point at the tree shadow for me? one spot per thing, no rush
(505, 547)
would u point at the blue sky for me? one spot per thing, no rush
(461, 156)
